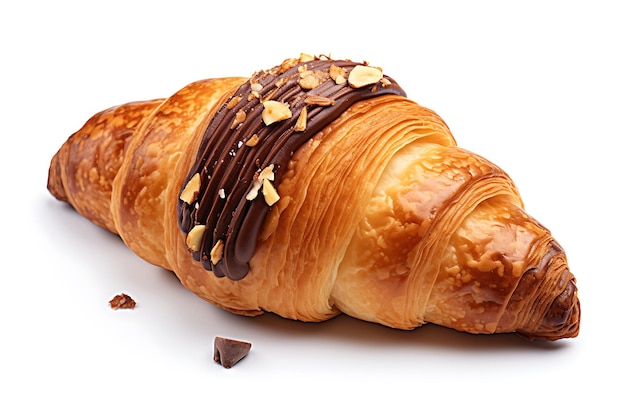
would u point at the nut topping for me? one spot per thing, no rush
(301, 122)
(319, 101)
(361, 75)
(254, 191)
(255, 91)
(191, 190)
(240, 116)
(253, 141)
(233, 102)
(337, 74)
(269, 193)
(275, 111)
(217, 252)
(194, 237)
(287, 64)
(309, 79)
(340, 80)
(309, 82)
(306, 57)
(253, 95)
(265, 121)
(267, 174)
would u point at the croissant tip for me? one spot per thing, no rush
(55, 183)
(562, 320)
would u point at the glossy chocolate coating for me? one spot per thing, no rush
(228, 167)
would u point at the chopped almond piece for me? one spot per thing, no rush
(275, 111)
(194, 237)
(217, 252)
(190, 192)
(362, 75)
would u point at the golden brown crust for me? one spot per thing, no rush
(83, 170)
(147, 179)
(380, 216)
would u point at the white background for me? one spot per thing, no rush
(537, 87)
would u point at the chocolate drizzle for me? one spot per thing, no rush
(226, 202)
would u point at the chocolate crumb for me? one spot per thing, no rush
(122, 301)
(228, 352)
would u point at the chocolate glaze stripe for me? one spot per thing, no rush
(228, 167)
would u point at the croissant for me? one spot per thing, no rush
(317, 188)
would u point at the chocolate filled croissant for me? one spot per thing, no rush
(316, 188)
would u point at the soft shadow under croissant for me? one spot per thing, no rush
(316, 188)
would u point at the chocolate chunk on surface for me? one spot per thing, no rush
(228, 352)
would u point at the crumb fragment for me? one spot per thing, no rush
(122, 301)
(228, 352)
